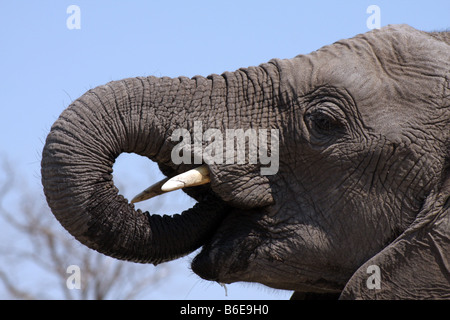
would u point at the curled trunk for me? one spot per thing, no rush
(77, 166)
(134, 115)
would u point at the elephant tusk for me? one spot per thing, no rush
(152, 191)
(191, 178)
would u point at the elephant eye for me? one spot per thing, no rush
(323, 122)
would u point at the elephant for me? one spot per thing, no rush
(358, 207)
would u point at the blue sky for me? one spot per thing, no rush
(44, 65)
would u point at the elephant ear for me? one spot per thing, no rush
(417, 264)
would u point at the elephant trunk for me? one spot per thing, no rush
(132, 115)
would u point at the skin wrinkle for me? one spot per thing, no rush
(388, 72)
(250, 94)
(420, 168)
(117, 135)
(212, 102)
(75, 111)
(227, 105)
(413, 179)
(365, 217)
(375, 170)
(130, 103)
(91, 149)
(173, 93)
(366, 156)
(160, 121)
(224, 104)
(141, 105)
(118, 117)
(262, 117)
(344, 181)
(111, 142)
(389, 161)
(267, 95)
(238, 90)
(389, 203)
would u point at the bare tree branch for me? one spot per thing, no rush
(42, 245)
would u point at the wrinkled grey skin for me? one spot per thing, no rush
(363, 177)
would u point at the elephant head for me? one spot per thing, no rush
(363, 177)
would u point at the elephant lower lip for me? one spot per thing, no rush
(202, 268)
(202, 264)
(218, 255)
(227, 255)
(210, 203)
(210, 265)
(218, 263)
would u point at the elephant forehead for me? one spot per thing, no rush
(395, 75)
